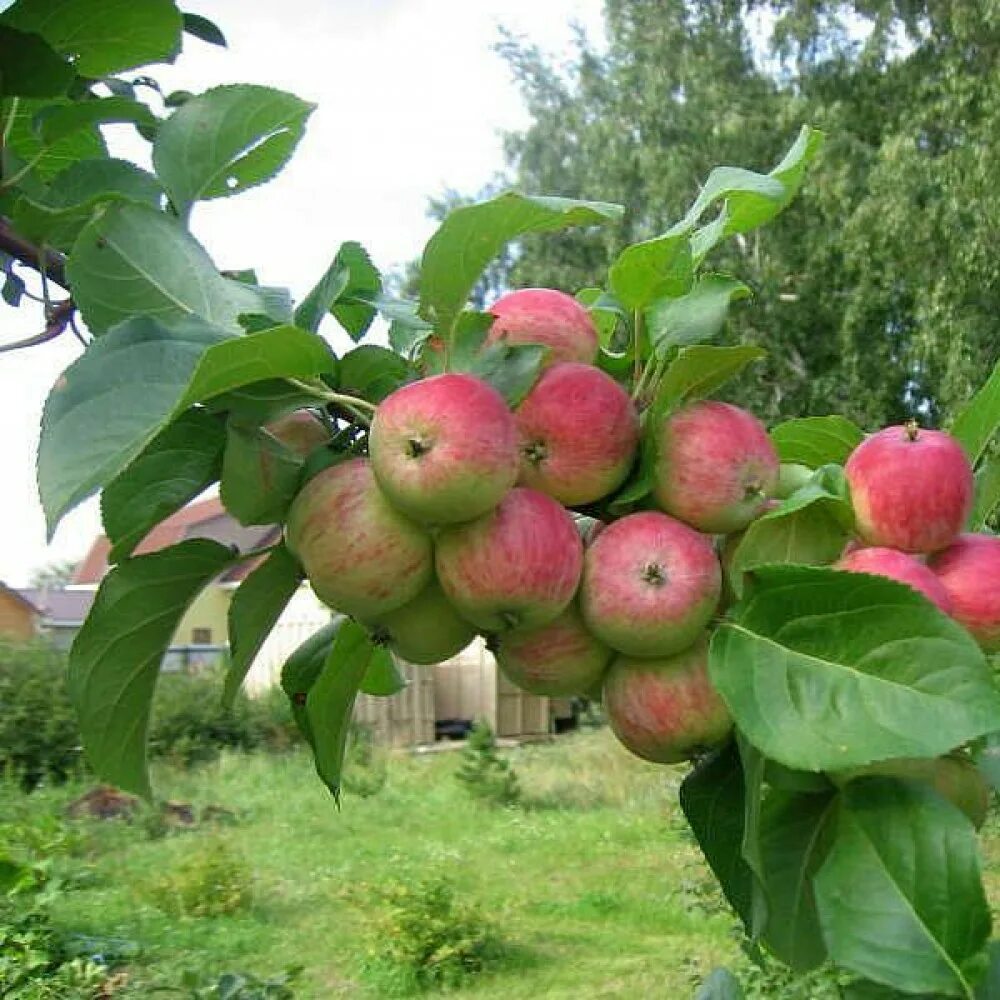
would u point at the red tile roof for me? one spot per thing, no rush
(202, 519)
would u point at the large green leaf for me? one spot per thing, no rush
(372, 372)
(73, 195)
(103, 36)
(977, 424)
(824, 670)
(751, 199)
(128, 385)
(355, 308)
(713, 799)
(330, 701)
(695, 317)
(699, 370)
(987, 492)
(652, 269)
(53, 124)
(260, 476)
(47, 160)
(816, 441)
(178, 464)
(201, 27)
(29, 67)
(470, 237)
(795, 833)
(132, 260)
(810, 528)
(900, 897)
(383, 676)
(256, 607)
(116, 656)
(301, 669)
(227, 140)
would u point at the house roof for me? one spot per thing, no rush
(204, 519)
(58, 605)
(21, 597)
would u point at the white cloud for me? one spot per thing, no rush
(411, 99)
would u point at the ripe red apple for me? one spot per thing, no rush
(665, 710)
(425, 630)
(650, 585)
(969, 570)
(300, 431)
(558, 659)
(715, 467)
(516, 567)
(911, 488)
(444, 449)
(545, 316)
(579, 431)
(361, 555)
(897, 566)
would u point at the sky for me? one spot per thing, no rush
(411, 100)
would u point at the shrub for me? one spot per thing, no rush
(427, 940)
(39, 738)
(211, 882)
(196, 984)
(483, 772)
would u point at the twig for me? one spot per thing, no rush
(58, 319)
(54, 264)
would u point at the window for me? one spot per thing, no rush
(201, 636)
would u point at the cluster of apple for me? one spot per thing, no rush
(461, 521)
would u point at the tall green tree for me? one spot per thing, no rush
(878, 290)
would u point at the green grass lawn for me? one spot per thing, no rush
(594, 886)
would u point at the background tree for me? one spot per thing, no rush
(877, 292)
(54, 574)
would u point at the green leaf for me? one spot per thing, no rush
(303, 667)
(751, 199)
(372, 372)
(978, 422)
(47, 160)
(103, 36)
(713, 799)
(647, 271)
(695, 317)
(54, 123)
(330, 701)
(989, 987)
(227, 140)
(699, 370)
(260, 476)
(795, 832)
(354, 309)
(824, 670)
(203, 28)
(314, 307)
(720, 985)
(29, 67)
(816, 441)
(255, 609)
(74, 194)
(810, 528)
(470, 237)
(177, 464)
(261, 402)
(128, 385)
(754, 766)
(116, 656)
(900, 897)
(132, 260)
(383, 676)
(987, 492)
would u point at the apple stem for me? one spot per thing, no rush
(353, 404)
(912, 429)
